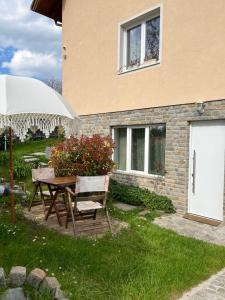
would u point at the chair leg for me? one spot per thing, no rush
(95, 213)
(73, 220)
(64, 200)
(108, 220)
(67, 218)
(70, 211)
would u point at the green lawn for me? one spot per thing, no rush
(143, 262)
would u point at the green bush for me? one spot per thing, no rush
(125, 193)
(4, 158)
(21, 169)
(137, 196)
(83, 156)
(159, 202)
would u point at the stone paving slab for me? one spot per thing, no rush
(38, 154)
(211, 289)
(97, 228)
(124, 206)
(28, 160)
(205, 232)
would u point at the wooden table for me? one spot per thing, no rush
(56, 186)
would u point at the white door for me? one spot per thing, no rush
(206, 169)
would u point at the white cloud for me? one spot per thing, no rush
(27, 63)
(23, 29)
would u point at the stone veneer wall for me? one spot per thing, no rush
(177, 119)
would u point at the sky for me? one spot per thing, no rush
(30, 44)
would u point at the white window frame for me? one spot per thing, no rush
(129, 148)
(140, 19)
(146, 147)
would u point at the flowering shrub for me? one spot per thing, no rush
(84, 156)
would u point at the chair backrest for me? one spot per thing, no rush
(86, 184)
(42, 173)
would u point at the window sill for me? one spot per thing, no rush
(140, 174)
(144, 66)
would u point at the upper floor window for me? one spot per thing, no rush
(140, 41)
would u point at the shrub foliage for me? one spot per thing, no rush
(84, 156)
(138, 196)
(21, 169)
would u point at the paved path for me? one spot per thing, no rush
(124, 206)
(211, 289)
(212, 234)
(87, 227)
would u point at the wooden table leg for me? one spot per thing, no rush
(50, 209)
(36, 185)
(53, 204)
(56, 210)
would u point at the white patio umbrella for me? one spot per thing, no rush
(27, 103)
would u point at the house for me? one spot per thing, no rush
(152, 74)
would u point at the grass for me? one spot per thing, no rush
(34, 146)
(142, 262)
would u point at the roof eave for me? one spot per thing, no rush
(51, 9)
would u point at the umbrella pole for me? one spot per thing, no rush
(11, 177)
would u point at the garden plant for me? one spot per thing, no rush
(83, 156)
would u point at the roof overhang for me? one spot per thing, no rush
(49, 8)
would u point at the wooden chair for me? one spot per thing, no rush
(87, 205)
(45, 196)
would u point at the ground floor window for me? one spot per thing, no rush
(140, 148)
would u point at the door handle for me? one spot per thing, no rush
(194, 172)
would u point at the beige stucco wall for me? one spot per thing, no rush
(193, 55)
